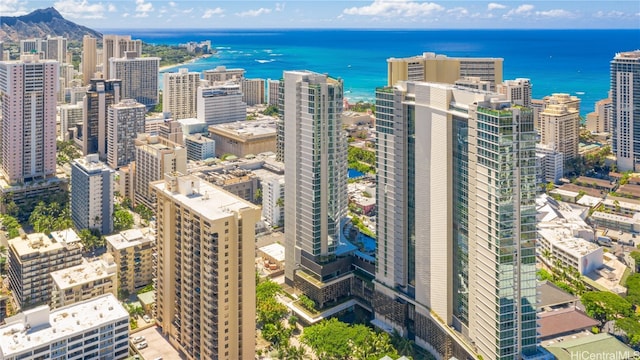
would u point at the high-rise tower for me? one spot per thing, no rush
(205, 268)
(28, 127)
(125, 120)
(139, 77)
(315, 160)
(89, 58)
(179, 95)
(625, 96)
(456, 220)
(101, 94)
(116, 46)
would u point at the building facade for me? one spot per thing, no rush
(315, 159)
(440, 68)
(139, 76)
(101, 95)
(220, 104)
(455, 260)
(273, 91)
(132, 251)
(117, 46)
(92, 194)
(273, 200)
(28, 88)
(560, 125)
(95, 328)
(89, 58)
(625, 98)
(125, 120)
(180, 93)
(205, 268)
(155, 156)
(83, 282)
(221, 75)
(199, 147)
(517, 91)
(244, 138)
(57, 49)
(252, 91)
(32, 258)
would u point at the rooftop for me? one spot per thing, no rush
(434, 56)
(274, 250)
(91, 164)
(40, 326)
(603, 345)
(551, 295)
(561, 321)
(87, 272)
(246, 128)
(129, 238)
(210, 201)
(39, 243)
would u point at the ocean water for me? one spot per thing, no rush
(569, 61)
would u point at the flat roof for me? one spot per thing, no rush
(551, 295)
(84, 273)
(68, 236)
(129, 238)
(274, 250)
(148, 297)
(587, 190)
(210, 201)
(603, 345)
(37, 243)
(40, 326)
(629, 189)
(247, 128)
(614, 217)
(560, 321)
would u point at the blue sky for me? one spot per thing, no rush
(443, 14)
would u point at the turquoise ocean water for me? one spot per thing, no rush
(570, 61)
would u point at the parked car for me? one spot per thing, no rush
(137, 339)
(142, 345)
(146, 318)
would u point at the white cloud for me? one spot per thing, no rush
(522, 10)
(112, 8)
(79, 9)
(610, 14)
(210, 12)
(254, 13)
(495, 6)
(125, 15)
(172, 4)
(143, 8)
(394, 8)
(12, 8)
(280, 6)
(187, 11)
(556, 13)
(458, 12)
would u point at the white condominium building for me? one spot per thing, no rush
(180, 93)
(93, 329)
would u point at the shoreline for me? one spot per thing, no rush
(199, 57)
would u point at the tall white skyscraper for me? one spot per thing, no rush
(180, 93)
(315, 160)
(57, 49)
(28, 129)
(456, 231)
(125, 121)
(625, 96)
(139, 77)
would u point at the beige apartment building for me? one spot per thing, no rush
(245, 137)
(132, 251)
(155, 156)
(85, 281)
(89, 58)
(434, 67)
(560, 124)
(179, 94)
(32, 257)
(205, 268)
(252, 91)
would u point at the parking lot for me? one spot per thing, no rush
(159, 347)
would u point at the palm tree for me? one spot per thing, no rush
(280, 202)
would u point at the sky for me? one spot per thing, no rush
(383, 14)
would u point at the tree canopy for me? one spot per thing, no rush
(333, 339)
(605, 306)
(52, 217)
(122, 219)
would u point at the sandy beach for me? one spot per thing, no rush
(167, 67)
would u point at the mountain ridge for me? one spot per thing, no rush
(40, 23)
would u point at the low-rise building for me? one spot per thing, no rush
(549, 164)
(93, 329)
(132, 251)
(617, 222)
(244, 137)
(32, 257)
(199, 147)
(573, 252)
(85, 281)
(273, 200)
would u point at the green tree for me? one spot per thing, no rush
(11, 225)
(271, 110)
(122, 220)
(257, 197)
(605, 306)
(52, 217)
(91, 239)
(306, 303)
(144, 212)
(280, 202)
